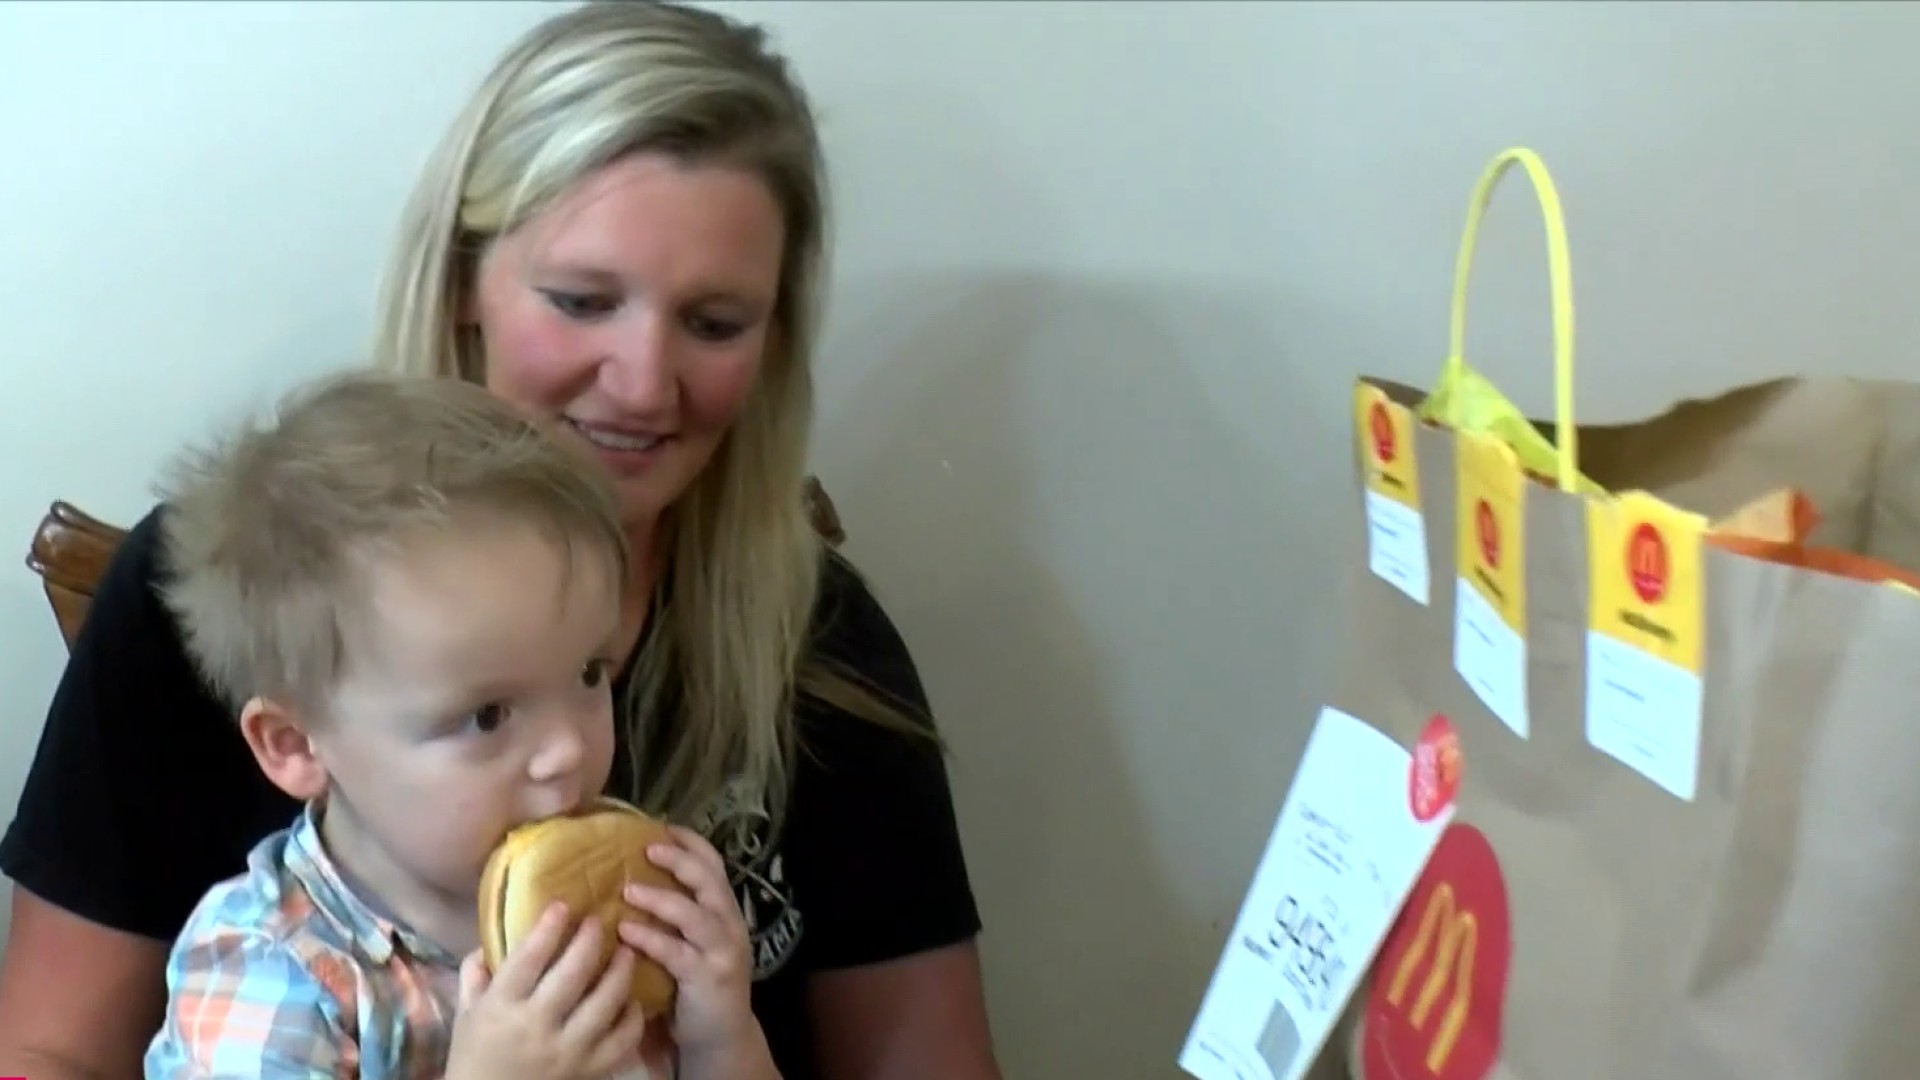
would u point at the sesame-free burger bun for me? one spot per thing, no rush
(583, 859)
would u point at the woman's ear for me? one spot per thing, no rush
(776, 342)
(283, 748)
(467, 267)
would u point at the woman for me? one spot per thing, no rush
(621, 232)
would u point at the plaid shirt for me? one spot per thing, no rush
(283, 973)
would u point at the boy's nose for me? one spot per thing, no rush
(559, 755)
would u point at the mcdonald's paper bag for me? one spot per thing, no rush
(1686, 840)
(1700, 857)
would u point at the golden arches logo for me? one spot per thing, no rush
(1438, 1003)
(1487, 528)
(1647, 565)
(1380, 426)
(1451, 935)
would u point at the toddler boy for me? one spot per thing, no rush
(410, 595)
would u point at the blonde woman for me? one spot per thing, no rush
(622, 232)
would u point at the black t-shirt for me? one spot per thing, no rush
(142, 795)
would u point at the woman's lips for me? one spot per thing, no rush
(623, 449)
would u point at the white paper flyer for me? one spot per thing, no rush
(1356, 829)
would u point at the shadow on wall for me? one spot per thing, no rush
(1085, 561)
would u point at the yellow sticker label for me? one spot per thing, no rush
(1645, 576)
(1385, 430)
(1491, 541)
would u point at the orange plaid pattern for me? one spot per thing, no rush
(284, 972)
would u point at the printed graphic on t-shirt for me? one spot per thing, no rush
(739, 827)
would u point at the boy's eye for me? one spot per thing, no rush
(594, 675)
(487, 718)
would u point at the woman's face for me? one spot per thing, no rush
(636, 311)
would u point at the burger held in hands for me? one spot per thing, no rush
(583, 860)
(647, 906)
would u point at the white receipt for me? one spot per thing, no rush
(1337, 868)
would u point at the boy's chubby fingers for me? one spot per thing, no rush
(521, 971)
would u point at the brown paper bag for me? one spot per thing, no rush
(1608, 906)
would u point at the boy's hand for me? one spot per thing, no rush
(709, 954)
(546, 1013)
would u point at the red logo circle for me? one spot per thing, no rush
(1434, 777)
(1439, 993)
(1488, 530)
(1647, 563)
(1381, 426)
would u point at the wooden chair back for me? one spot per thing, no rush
(71, 549)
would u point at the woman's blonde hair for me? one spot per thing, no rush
(727, 647)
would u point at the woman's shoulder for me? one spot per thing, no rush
(872, 792)
(846, 610)
(853, 633)
(854, 639)
(105, 827)
(127, 609)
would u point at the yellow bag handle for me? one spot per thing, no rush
(1560, 276)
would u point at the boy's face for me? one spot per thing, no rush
(477, 698)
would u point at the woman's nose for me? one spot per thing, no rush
(638, 374)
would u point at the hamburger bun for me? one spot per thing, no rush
(583, 859)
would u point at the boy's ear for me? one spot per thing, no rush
(283, 748)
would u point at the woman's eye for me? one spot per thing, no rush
(580, 305)
(487, 718)
(594, 675)
(710, 329)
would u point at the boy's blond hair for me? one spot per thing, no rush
(266, 531)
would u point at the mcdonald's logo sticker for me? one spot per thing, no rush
(1380, 425)
(1439, 993)
(1647, 563)
(1434, 777)
(1487, 528)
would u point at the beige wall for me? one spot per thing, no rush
(1104, 274)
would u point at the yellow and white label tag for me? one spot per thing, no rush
(1490, 612)
(1396, 529)
(1646, 638)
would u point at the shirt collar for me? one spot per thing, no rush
(372, 931)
